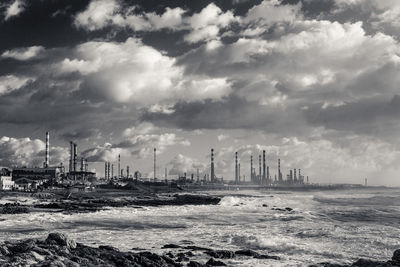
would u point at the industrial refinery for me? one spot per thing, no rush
(78, 174)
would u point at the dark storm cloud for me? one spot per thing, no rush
(231, 113)
(375, 117)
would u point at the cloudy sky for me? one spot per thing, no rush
(313, 82)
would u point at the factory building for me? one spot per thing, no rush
(82, 174)
(6, 182)
(37, 174)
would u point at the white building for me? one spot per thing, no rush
(6, 182)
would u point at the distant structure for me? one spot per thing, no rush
(259, 167)
(212, 174)
(119, 167)
(154, 174)
(47, 156)
(251, 169)
(264, 169)
(236, 168)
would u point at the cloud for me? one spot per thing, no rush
(181, 164)
(24, 53)
(131, 72)
(9, 83)
(103, 13)
(222, 137)
(14, 9)
(28, 152)
(138, 141)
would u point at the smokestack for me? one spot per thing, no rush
(166, 174)
(251, 168)
(105, 170)
(75, 156)
(279, 170)
(259, 167)
(112, 171)
(46, 160)
(291, 175)
(239, 172)
(127, 172)
(295, 176)
(119, 166)
(71, 156)
(212, 166)
(198, 176)
(263, 177)
(154, 174)
(268, 174)
(82, 164)
(108, 171)
(236, 167)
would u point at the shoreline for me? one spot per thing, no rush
(58, 250)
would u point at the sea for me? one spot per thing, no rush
(337, 226)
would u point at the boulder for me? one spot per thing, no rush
(221, 254)
(61, 239)
(212, 262)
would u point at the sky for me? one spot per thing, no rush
(313, 82)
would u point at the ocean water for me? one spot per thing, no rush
(336, 226)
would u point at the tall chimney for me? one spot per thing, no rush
(119, 166)
(154, 174)
(268, 178)
(236, 168)
(295, 177)
(71, 157)
(259, 168)
(127, 172)
(251, 168)
(279, 171)
(46, 160)
(82, 164)
(212, 166)
(75, 156)
(264, 170)
(108, 171)
(112, 170)
(105, 169)
(198, 176)
(239, 172)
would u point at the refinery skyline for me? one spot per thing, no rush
(314, 85)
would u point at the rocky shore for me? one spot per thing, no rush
(92, 203)
(58, 250)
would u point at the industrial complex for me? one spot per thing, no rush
(79, 176)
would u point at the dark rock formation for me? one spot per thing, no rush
(212, 262)
(221, 254)
(58, 250)
(171, 246)
(366, 263)
(13, 208)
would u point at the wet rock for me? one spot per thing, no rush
(213, 262)
(288, 209)
(197, 248)
(195, 264)
(170, 246)
(23, 246)
(221, 254)
(13, 208)
(61, 239)
(247, 252)
(396, 256)
(268, 257)
(370, 263)
(169, 254)
(265, 205)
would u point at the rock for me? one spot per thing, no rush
(263, 256)
(288, 209)
(170, 246)
(396, 256)
(265, 205)
(169, 254)
(370, 263)
(108, 248)
(4, 250)
(221, 254)
(197, 248)
(37, 256)
(23, 246)
(195, 264)
(61, 240)
(247, 252)
(212, 262)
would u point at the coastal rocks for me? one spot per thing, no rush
(59, 250)
(221, 254)
(395, 261)
(212, 262)
(13, 208)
